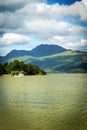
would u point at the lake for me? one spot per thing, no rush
(50, 102)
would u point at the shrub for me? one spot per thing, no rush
(22, 72)
(14, 73)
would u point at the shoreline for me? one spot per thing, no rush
(8, 75)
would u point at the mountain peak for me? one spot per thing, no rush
(39, 51)
(46, 50)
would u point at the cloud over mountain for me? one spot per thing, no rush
(68, 42)
(44, 21)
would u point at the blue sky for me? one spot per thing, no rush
(27, 24)
(64, 2)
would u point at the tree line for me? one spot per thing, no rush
(16, 67)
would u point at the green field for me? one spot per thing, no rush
(50, 102)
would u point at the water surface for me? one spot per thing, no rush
(51, 102)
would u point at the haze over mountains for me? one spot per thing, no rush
(52, 58)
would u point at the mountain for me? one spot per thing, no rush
(39, 51)
(13, 54)
(17, 53)
(46, 50)
(1, 57)
(67, 61)
(51, 58)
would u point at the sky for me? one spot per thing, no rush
(27, 24)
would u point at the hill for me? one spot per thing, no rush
(53, 61)
(39, 51)
(46, 50)
(67, 61)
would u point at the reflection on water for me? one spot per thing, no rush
(52, 102)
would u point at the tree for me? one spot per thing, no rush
(29, 69)
(42, 72)
(2, 69)
(22, 65)
(17, 67)
(7, 68)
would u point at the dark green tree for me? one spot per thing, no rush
(2, 69)
(17, 67)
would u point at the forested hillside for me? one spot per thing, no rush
(18, 67)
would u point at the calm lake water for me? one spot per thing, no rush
(51, 102)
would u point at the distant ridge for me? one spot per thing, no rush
(39, 51)
(51, 58)
(17, 53)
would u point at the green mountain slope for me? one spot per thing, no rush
(39, 51)
(67, 61)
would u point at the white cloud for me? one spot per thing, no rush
(43, 21)
(78, 10)
(84, 2)
(68, 42)
(11, 38)
(39, 13)
(45, 28)
(42, 10)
